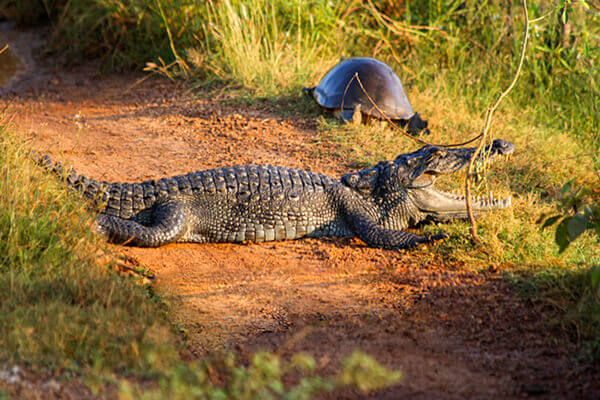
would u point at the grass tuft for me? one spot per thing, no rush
(268, 47)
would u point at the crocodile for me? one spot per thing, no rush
(260, 203)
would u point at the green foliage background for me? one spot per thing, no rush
(429, 42)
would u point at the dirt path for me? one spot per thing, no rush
(454, 332)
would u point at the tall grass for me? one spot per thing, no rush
(124, 34)
(270, 47)
(471, 50)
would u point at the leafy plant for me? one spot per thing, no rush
(266, 377)
(578, 214)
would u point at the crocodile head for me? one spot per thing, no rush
(405, 192)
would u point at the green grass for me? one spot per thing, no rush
(124, 34)
(59, 308)
(268, 47)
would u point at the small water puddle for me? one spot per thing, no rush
(10, 65)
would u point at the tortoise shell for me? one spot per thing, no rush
(340, 91)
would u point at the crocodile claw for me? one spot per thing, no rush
(436, 237)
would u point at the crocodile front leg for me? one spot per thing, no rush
(363, 221)
(168, 222)
(376, 236)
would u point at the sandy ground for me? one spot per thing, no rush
(455, 332)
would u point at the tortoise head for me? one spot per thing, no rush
(415, 125)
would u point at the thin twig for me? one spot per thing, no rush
(486, 128)
(2, 50)
(532, 21)
(394, 124)
(346, 91)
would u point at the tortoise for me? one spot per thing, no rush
(340, 92)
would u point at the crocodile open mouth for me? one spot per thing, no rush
(451, 205)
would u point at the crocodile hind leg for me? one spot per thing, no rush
(167, 224)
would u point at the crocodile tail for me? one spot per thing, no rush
(92, 189)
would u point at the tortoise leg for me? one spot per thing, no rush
(357, 116)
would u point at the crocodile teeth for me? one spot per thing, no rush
(486, 201)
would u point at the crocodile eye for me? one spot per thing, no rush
(440, 152)
(351, 179)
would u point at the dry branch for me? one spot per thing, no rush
(486, 129)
